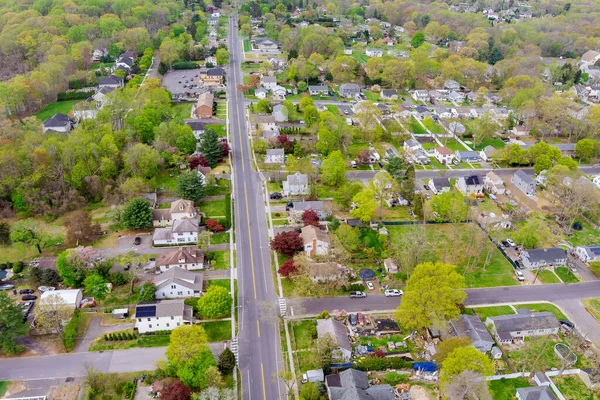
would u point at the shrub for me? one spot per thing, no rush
(324, 315)
(69, 335)
(62, 96)
(18, 267)
(381, 364)
(106, 337)
(185, 65)
(3, 266)
(356, 287)
(394, 378)
(118, 278)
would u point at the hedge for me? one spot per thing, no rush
(185, 65)
(227, 223)
(69, 335)
(381, 364)
(62, 96)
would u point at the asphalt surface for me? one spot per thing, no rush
(259, 345)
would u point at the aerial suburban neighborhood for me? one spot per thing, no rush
(290, 200)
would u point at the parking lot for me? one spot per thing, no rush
(183, 82)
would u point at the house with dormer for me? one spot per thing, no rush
(187, 258)
(180, 209)
(177, 283)
(183, 231)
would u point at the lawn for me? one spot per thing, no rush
(166, 181)
(220, 238)
(586, 236)
(219, 128)
(485, 312)
(333, 109)
(454, 145)
(505, 389)
(540, 307)
(64, 107)
(119, 296)
(97, 65)
(433, 126)
(451, 243)
(142, 341)
(213, 208)
(305, 333)
(182, 111)
(429, 145)
(218, 259)
(372, 96)
(415, 127)
(247, 45)
(222, 187)
(573, 388)
(547, 276)
(217, 331)
(592, 304)
(3, 387)
(494, 142)
(221, 111)
(436, 163)
(566, 275)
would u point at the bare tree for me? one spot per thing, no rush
(468, 385)
(52, 314)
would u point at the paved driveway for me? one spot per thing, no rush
(96, 330)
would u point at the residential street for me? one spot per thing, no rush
(259, 355)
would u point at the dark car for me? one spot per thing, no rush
(519, 264)
(28, 297)
(137, 240)
(567, 323)
(127, 266)
(505, 243)
(26, 291)
(426, 187)
(276, 196)
(352, 319)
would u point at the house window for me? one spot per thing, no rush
(172, 318)
(173, 287)
(150, 326)
(167, 324)
(139, 320)
(179, 293)
(148, 319)
(179, 323)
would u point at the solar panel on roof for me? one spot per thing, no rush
(146, 311)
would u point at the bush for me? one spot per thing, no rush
(185, 65)
(62, 96)
(69, 335)
(118, 278)
(394, 378)
(3, 266)
(356, 287)
(227, 223)
(324, 315)
(18, 267)
(381, 364)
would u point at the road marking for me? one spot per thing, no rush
(258, 327)
(262, 373)
(250, 237)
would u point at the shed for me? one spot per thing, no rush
(71, 297)
(120, 313)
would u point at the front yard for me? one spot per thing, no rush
(212, 208)
(592, 304)
(218, 259)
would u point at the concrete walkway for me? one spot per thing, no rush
(95, 330)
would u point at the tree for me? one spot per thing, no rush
(530, 233)
(96, 286)
(585, 149)
(12, 325)
(343, 69)
(4, 232)
(190, 186)
(142, 160)
(147, 292)
(466, 358)
(542, 163)
(397, 74)
(365, 205)
(433, 294)
(368, 116)
(309, 391)
(311, 115)
(344, 194)
(333, 169)
(213, 393)
(287, 269)
(450, 206)
(80, 228)
(214, 377)
(215, 303)
(448, 346)
(175, 391)
(210, 147)
(187, 343)
(326, 346)
(382, 185)
(348, 237)
(204, 240)
(214, 226)
(468, 385)
(395, 166)
(31, 232)
(287, 243)
(51, 314)
(310, 217)
(226, 361)
(407, 186)
(137, 214)
(418, 39)
(222, 56)
(532, 352)
(194, 372)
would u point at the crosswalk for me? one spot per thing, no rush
(234, 348)
(282, 307)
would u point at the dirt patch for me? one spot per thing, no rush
(67, 392)
(420, 393)
(15, 387)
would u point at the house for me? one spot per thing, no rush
(456, 97)
(536, 258)
(471, 184)
(451, 84)
(348, 51)
(164, 315)
(487, 153)
(371, 52)
(69, 297)
(443, 154)
(296, 184)
(349, 90)
(183, 231)
(535, 393)
(268, 82)
(280, 112)
(203, 172)
(187, 258)
(213, 21)
(124, 62)
(590, 57)
(588, 253)
(180, 209)
(509, 328)
(99, 53)
(279, 92)
(390, 94)
(261, 93)
(178, 283)
(442, 112)
(318, 90)
(266, 45)
(352, 384)
(422, 111)
(456, 127)
(470, 326)
(439, 185)
(212, 76)
(152, 198)
(316, 242)
(420, 95)
(275, 156)
(58, 123)
(110, 81)
(197, 128)
(467, 156)
(298, 207)
(100, 95)
(524, 182)
(411, 145)
(326, 272)
(390, 265)
(493, 184)
(204, 106)
(391, 152)
(338, 332)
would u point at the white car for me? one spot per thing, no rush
(393, 293)
(520, 276)
(370, 285)
(511, 242)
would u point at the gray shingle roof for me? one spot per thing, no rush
(550, 255)
(441, 183)
(336, 330)
(471, 326)
(522, 175)
(186, 225)
(305, 205)
(536, 393)
(525, 322)
(180, 276)
(297, 179)
(57, 120)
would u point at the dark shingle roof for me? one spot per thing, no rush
(57, 120)
(525, 322)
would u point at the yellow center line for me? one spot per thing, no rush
(262, 372)
(258, 327)
(250, 237)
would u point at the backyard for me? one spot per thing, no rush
(572, 387)
(505, 389)
(212, 208)
(182, 111)
(63, 107)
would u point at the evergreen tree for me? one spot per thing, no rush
(407, 187)
(210, 147)
(137, 214)
(190, 186)
(226, 361)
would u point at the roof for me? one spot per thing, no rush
(311, 233)
(126, 60)
(110, 80)
(525, 321)
(265, 41)
(349, 86)
(68, 295)
(165, 308)
(161, 214)
(412, 143)
(523, 176)
(324, 270)
(180, 276)
(468, 154)
(495, 179)
(589, 55)
(275, 152)
(550, 254)
(186, 225)
(215, 72)
(422, 109)
(444, 151)
(195, 125)
(318, 87)
(268, 78)
(353, 384)
(260, 90)
(536, 393)
(471, 326)
(472, 180)
(489, 150)
(305, 205)
(389, 92)
(105, 90)
(297, 179)
(205, 99)
(337, 330)
(185, 254)
(183, 206)
(162, 234)
(592, 251)
(440, 183)
(57, 120)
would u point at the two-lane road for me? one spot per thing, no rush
(259, 342)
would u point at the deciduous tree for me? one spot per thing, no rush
(31, 232)
(80, 228)
(365, 205)
(187, 342)
(147, 292)
(333, 169)
(310, 217)
(12, 325)
(175, 391)
(448, 346)
(137, 214)
(51, 314)
(468, 385)
(287, 243)
(466, 358)
(96, 286)
(215, 303)
(287, 269)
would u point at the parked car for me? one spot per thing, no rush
(137, 241)
(352, 319)
(393, 293)
(276, 196)
(511, 242)
(566, 323)
(519, 275)
(353, 164)
(426, 187)
(519, 264)
(360, 318)
(87, 302)
(43, 289)
(26, 291)
(357, 295)
(127, 266)
(370, 285)
(28, 297)
(573, 268)
(505, 243)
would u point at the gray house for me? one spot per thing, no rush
(352, 384)
(349, 90)
(275, 156)
(535, 393)
(524, 182)
(472, 184)
(316, 90)
(298, 207)
(339, 334)
(508, 328)
(280, 113)
(536, 258)
(467, 156)
(295, 184)
(471, 326)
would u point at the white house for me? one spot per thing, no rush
(524, 182)
(588, 253)
(71, 297)
(124, 62)
(487, 153)
(187, 258)
(261, 93)
(443, 154)
(275, 156)
(197, 128)
(348, 51)
(315, 241)
(298, 207)
(183, 231)
(279, 93)
(178, 283)
(296, 184)
(99, 53)
(268, 82)
(451, 84)
(467, 156)
(470, 185)
(280, 112)
(371, 52)
(349, 90)
(514, 327)
(536, 258)
(318, 90)
(420, 95)
(164, 315)
(58, 123)
(180, 209)
(439, 185)
(339, 334)
(390, 265)
(535, 392)
(493, 184)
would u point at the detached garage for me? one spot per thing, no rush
(71, 297)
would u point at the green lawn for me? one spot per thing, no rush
(429, 145)
(217, 331)
(540, 307)
(222, 187)
(165, 182)
(464, 165)
(573, 388)
(415, 127)
(97, 65)
(182, 111)
(333, 109)
(592, 304)
(547, 276)
(64, 107)
(505, 389)
(3, 386)
(142, 341)
(359, 56)
(247, 45)
(436, 163)
(372, 96)
(154, 341)
(218, 259)
(485, 312)
(220, 238)
(494, 142)
(454, 145)
(212, 208)
(219, 128)
(586, 236)
(433, 126)
(305, 333)
(566, 275)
